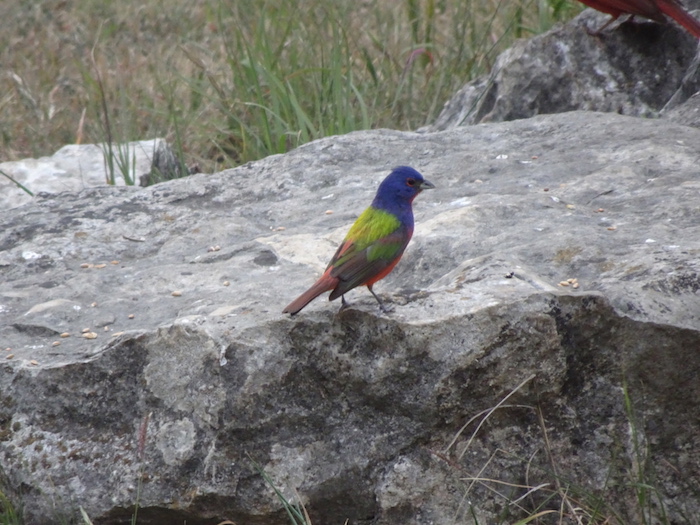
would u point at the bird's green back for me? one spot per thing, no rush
(370, 226)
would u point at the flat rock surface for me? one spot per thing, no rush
(558, 248)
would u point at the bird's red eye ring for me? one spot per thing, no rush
(411, 182)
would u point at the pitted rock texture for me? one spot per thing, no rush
(490, 373)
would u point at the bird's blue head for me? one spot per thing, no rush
(397, 191)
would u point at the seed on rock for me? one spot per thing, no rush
(85, 265)
(34, 362)
(226, 283)
(176, 293)
(85, 330)
(56, 343)
(90, 335)
(64, 335)
(563, 283)
(10, 356)
(100, 266)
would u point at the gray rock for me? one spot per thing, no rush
(75, 167)
(371, 417)
(634, 69)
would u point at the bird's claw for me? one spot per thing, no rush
(344, 304)
(387, 309)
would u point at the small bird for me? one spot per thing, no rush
(651, 9)
(374, 243)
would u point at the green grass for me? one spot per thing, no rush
(228, 82)
(296, 512)
(8, 514)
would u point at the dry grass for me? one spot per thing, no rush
(232, 81)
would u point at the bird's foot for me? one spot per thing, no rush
(344, 304)
(383, 307)
(386, 308)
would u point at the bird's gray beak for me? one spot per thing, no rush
(426, 185)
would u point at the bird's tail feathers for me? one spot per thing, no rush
(680, 15)
(325, 283)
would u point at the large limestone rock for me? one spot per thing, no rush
(492, 392)
(639, 68)
(75, 167)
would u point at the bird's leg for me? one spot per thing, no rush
(344, 305)
(384, 308)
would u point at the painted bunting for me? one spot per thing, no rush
(651, 9)
(374, 243)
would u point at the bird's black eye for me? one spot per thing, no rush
(411, 182)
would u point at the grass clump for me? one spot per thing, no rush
(229, 82)
(8, 514)
(533, 490)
